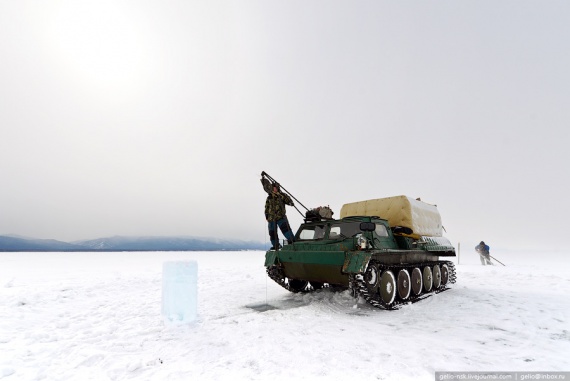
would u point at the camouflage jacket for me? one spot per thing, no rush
(275, 206)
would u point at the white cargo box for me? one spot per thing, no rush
(422, 218)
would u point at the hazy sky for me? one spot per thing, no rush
(157, 117)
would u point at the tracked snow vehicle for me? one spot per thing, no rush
(390, 251)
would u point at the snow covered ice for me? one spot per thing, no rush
(180, 291)
(97, 316)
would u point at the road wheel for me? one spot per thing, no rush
(436, 277)
(417, 282)
(428, 279)
(296, 285)
(404, 284)
(317, 285)
(372, 278)
(444, 274)
(388, 287)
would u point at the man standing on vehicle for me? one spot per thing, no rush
(484, 254)
(275, 215)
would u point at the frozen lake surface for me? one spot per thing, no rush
(97, 316)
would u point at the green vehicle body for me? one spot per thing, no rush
(333, 253)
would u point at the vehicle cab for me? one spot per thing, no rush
(356, 232)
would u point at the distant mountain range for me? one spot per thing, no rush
(118, 243)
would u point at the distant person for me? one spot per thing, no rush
(484, 254)
(275, 215)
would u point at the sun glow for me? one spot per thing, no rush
(101, 45)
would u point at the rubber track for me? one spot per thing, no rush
(358, 287)
(376, 301)
(276, 273)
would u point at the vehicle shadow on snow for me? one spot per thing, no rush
(345, 303)
(321, 300)
(284, 304)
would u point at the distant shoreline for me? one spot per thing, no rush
(127, 244)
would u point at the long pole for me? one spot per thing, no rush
(283, 188)
(497, 260)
